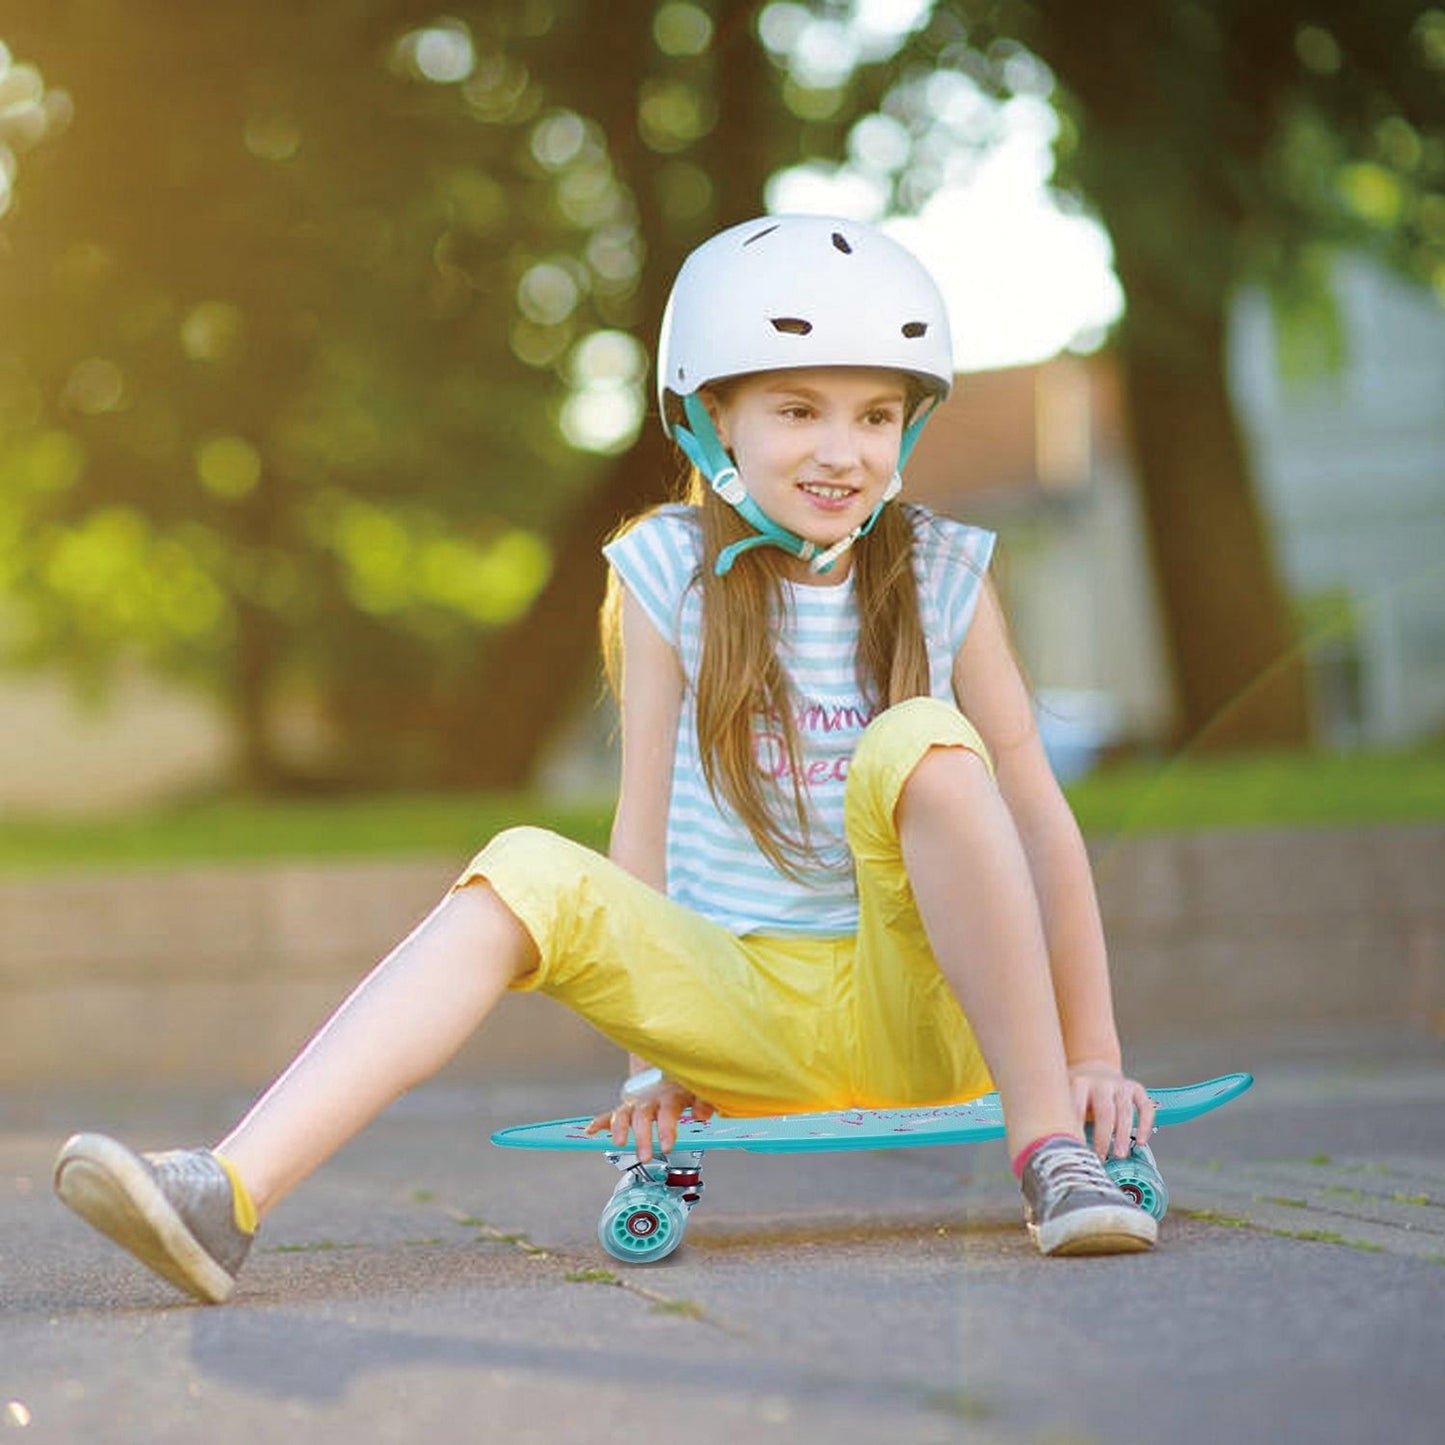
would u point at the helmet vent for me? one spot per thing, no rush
(792, 325)
(914, 329)
(758, 235)
(840, 243)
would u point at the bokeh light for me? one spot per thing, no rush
(607, 370)
(211, 331)
(672, 114)
(29, 114)
(557, 139)
(94, 386)
(441, 53)
(272, 135)
(1317, 49)
(229, 467)
(395, 561)
(680, 29)
(548, 293)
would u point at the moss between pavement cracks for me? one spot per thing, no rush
(1355, 1196)
(517, 1239)
(1311, 1236)
(1337, 1191)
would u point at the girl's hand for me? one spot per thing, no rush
(663, 1104)
(1107, 1098)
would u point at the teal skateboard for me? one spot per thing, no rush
(647, 1214)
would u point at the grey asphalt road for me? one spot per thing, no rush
(426, 1286)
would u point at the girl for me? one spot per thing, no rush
(841, 873)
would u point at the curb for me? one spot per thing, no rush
(220, 973)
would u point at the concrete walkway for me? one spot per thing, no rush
(425, 1286)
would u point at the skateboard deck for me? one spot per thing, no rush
(645, 1218)
(859, 1128)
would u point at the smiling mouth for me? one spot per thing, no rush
(825, 492)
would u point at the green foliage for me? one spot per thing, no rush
(1233, 141)
(285, 347)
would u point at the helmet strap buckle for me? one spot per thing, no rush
(728, 484)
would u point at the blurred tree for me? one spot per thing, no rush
(1224, 143)
(289, 317)
(298, 322)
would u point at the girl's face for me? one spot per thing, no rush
(815, 447)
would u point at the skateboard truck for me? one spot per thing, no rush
(681, 1172)
(647, 1214)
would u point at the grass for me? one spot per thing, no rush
(1274, 790)
(1293, 790)
(242, 830)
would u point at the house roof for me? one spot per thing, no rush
(1045, 427)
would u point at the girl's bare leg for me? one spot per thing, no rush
(976, 897)
(402, 1023)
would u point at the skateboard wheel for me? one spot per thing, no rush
(1141, 1181)
(642, 1225)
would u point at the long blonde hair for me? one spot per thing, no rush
(741, 680)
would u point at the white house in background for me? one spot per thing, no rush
(1352, 466)
(1351, 472)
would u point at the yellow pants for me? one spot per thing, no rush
(765, 1023)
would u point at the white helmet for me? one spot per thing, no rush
(786, 291)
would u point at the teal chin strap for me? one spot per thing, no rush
(704, 449)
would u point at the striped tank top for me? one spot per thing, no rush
(713, 865)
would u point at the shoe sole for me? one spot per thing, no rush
(111, 1189)
(1123, 1230)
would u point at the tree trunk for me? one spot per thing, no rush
(1162, 161)
(1238, 670)
(253, 663)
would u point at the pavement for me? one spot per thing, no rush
(426, 1286)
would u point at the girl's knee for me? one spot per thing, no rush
(533, 863)
(889, 758)
(899, 738)
(537, 850)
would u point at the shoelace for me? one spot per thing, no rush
(1068, 1168)
(187, 1172)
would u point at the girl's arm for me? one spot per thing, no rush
(991, 691)
(652, 688)
(650, 705)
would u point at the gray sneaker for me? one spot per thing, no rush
(1071, 1205)
(174, 1212)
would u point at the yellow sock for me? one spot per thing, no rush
(246, 1220)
